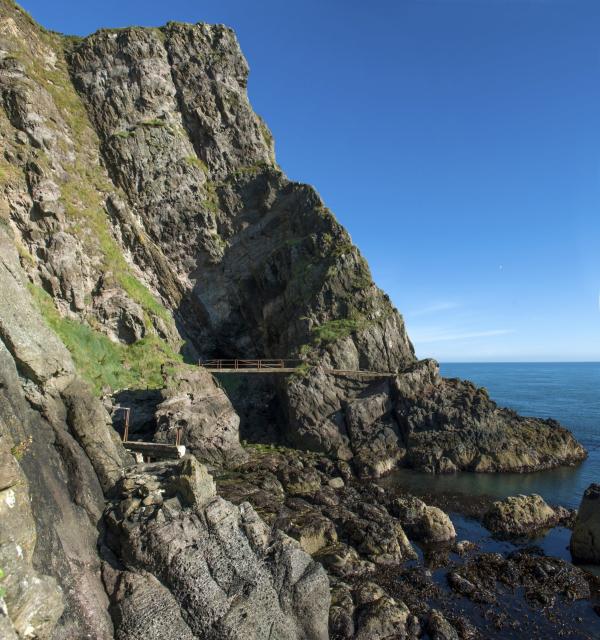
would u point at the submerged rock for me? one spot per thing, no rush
(585, 539)
(520, 516)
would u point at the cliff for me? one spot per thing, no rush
(145, 223)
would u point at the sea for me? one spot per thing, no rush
(567, 391)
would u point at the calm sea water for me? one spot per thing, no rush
(568, 392)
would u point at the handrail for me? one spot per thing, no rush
(256, 363)
(278, 365)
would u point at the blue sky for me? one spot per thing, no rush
(457, 140)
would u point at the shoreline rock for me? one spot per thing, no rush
(585, 539)
(523, 515)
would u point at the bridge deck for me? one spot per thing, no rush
(279, 366)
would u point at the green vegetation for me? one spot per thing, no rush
(249, 170)
(126, 133)
(337, 329)
(303, 369)
(154, 122)
(362, 277)
(212, 197)
(20, 449)
(2, 589)
(103, 362)
(194, 161)
(266, 134)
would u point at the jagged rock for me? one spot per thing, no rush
(192, 402)
(423, 522)
(300, 482)
(121, 317)
(585, 539)
(37, 350)
(451, 425)
(249, 581)
(520, 515)
(145, 610)
(439, 628)
(170, 191)
(341, 613)
(91, 425)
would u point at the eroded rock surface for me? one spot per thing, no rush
(225, 569)
(585, 541)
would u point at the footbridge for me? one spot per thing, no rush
(279, 366)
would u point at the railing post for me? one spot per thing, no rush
(126, 430)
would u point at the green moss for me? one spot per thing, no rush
(154, 122)
(101, 361)
(249, 170)
(362, 277)
(124, 134)
(21, 448)
(194, 161)
(211, 197)
(2, 589)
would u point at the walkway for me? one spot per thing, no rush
(279, 365)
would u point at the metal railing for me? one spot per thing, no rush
(125, 437)
(262, 363)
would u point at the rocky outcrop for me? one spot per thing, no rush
(421, 420)
(225, 569)
(193, 403)
(585, 540)
(451, 425)
(520, 516)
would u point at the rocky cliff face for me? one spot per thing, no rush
(144, 221)
(265, 268)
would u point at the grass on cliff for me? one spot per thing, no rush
(337, 329)
(101, 361)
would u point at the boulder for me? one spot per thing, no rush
(520, 516)
(585, 539)
(423, 522)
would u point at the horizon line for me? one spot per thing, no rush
(518, 361)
